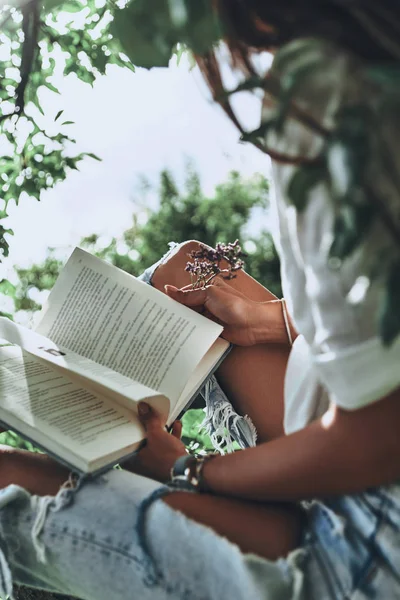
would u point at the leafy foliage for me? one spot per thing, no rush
(194, 438)
(9, 438)
(40, 41)
(150, 30)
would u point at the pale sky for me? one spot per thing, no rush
(138, 123)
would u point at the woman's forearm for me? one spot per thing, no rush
(37, 473)
(342, 453)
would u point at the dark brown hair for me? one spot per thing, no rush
(369, 29)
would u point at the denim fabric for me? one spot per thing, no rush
(353, 546)
(94, 551)
(147, 275)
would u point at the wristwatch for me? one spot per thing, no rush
(188, 470)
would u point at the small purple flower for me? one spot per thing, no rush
(206, 263)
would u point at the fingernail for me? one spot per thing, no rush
(143, 409)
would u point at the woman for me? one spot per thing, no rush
(313, 510)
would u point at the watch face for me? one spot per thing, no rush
(183, 466)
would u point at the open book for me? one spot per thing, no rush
(104, 341)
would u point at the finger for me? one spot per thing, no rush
(150, 419)
(177, 429)
(219, 281)
(171, 290)
(189, 298)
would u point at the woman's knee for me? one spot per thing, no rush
(172, 269)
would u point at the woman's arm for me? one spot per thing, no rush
(342, 453)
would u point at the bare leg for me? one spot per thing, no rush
(252, 377)
(267, 530)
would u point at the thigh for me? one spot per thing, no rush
(267, 530)
(252, 377)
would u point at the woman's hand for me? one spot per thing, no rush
(162, 449)
(245, 322)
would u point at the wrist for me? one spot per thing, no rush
(188, 471)
(269, 324)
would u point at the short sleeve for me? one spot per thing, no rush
(335, 310)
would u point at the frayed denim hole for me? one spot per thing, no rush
(45, 504)
(222, 423)
(153, 574)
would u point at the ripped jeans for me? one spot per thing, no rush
(100, 543)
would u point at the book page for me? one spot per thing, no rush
(84, 371)
(110, 317)
(48, 403)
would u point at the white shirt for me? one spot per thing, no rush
(339, 356)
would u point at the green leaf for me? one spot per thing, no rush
(39, 106)
(50, 5)
(68, 123)
(51, 87)
(179, 51)
(99, 61)
(7, 288)
(71, 163)
(145, 32)
(389, 318)
(4, 247)
(348, 155)
(72, 7)
(115, 59)
(304, 180)
(387, 75)
(351, 226)
(58, 115)
(201, 29)
(352, 137)
(86, 76)
(8, 316)
(94, 156)
(191, 429)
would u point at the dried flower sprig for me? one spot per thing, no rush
(206, 263)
